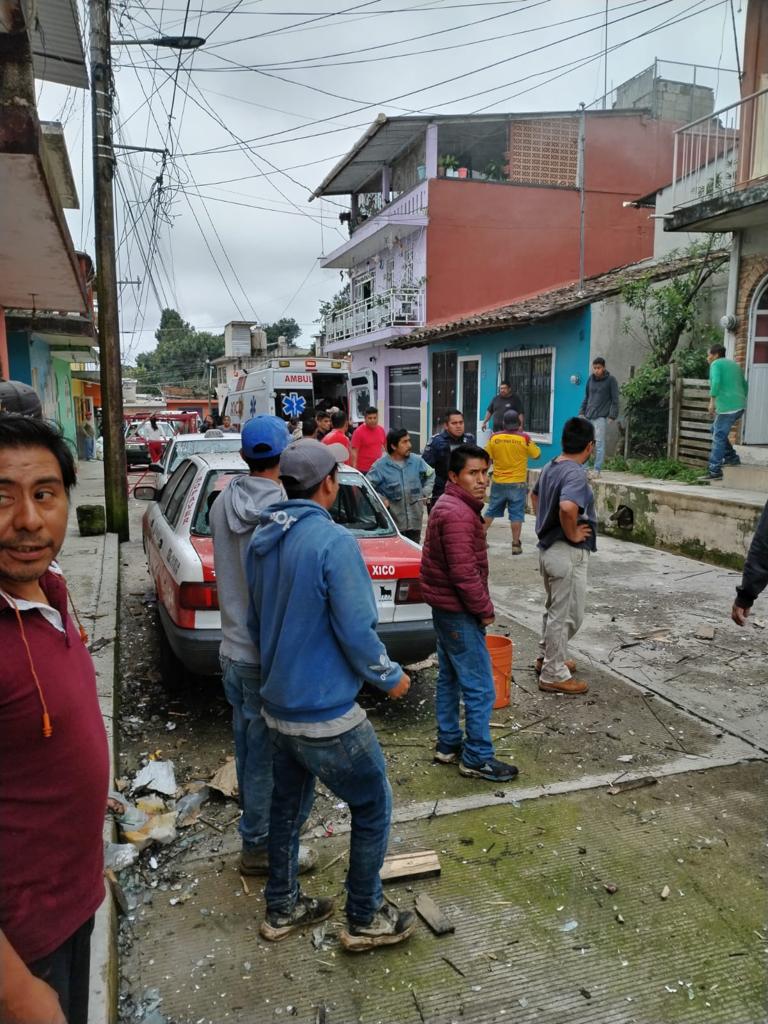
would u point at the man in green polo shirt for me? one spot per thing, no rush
(728, 397)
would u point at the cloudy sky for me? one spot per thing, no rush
(255, 119)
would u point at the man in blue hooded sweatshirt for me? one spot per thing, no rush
(313, 618)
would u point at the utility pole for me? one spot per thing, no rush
(115, 469)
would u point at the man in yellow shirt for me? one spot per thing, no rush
(509, 451)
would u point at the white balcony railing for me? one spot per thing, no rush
(721, 152)
(399, 307)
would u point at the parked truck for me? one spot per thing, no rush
(295, 388)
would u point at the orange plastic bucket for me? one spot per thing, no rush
(500, 649)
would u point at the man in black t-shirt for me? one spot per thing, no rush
(504, 401)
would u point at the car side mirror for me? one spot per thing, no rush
(146, 493)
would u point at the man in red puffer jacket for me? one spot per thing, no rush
(454, 582)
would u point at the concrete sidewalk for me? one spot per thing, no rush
(91, 566)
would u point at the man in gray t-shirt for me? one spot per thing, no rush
(566, 526)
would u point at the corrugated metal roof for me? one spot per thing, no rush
(553, 302)
(57, 44)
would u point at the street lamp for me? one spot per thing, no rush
(171, 42)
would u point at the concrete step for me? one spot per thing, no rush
(744, 478)
(753, 454)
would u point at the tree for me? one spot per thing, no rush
(181, 355)
(286, 326)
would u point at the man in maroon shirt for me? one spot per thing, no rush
(54, 760)
(367, 442)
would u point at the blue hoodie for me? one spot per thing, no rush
(312, 615)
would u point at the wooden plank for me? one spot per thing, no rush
(423, 864)
(427, 909)
(695, 382)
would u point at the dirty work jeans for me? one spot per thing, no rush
(564, 569)
(352, 766)
(600, 425)
(463, 673)
(253, 750)
(722, 449)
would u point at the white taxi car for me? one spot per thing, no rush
(181, 446)
(177, 541)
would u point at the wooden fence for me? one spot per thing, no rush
(690, 437)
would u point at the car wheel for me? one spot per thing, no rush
(172, 671)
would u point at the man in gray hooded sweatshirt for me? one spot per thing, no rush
(233, 517)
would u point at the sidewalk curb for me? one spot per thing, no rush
(103, 625)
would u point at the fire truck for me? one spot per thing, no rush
(295, 388)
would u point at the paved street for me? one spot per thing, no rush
(524, 867)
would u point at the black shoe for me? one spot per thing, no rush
(305, 913)
(710, 476)
(492, 771)
(732, 462)
(387, 927)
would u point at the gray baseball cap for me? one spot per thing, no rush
(308, 461)
(19, 398)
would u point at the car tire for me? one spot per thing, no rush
(172, 671)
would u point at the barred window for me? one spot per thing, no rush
(529, 374)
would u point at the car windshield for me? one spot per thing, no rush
(203, 446)
(142, 429)
(215, 482)
(359, 510)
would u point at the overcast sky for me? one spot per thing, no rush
(316, 73)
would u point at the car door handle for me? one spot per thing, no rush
(160, 543)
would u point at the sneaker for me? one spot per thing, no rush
(517, 549)
(256, 862)
(305, 913)
(387, 927)
(710, 476)
(538, 665)
(593, 474)
(492, 771)
(567, 686)
(446, 755)
(732, 462)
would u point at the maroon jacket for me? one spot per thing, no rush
(454, 560)
(53, 791)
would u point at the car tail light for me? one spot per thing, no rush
(200, 596)
(408, 592)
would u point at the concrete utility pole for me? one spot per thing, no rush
(115, 469)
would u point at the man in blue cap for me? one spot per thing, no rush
(233, 518)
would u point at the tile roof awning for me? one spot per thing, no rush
(551, 303)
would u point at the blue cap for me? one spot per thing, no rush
(263, 437)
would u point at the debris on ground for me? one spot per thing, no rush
(224, 779)
(157, 776)
(664, 894)
(119, 855)
(189, 807)
(410, 865)
(429, 911)
(705, 632)
(625, 787)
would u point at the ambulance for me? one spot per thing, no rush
(292, 388)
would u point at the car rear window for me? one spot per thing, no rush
(183, 449)
(215, 482)
(360, 511)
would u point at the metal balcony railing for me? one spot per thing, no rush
(398, 307)
(721, 152)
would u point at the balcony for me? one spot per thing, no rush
(720, 168)
(393, 311)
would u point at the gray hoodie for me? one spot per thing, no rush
(234, 516)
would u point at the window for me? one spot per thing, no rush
(215, 483)
(171, 509)
(529, 373)
(405, 401)
(183, 449)
(359, 510)
(443, 386)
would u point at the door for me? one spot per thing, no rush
(443, 386)
(469, 395)
(405, 401)
(756, 424)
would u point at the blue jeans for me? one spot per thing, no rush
(722, 449)
(89, 447)
(463, 673)
(253, 750)
(352, 766)
(600, 425)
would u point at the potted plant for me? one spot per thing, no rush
(447, 164)
(494, 171)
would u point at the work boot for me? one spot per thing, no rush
(445, 754)
(256, 862)
(571, 687)
(387, 927)
(570, 664)
(492, 771)
(306, 912)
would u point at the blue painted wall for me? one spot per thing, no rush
(18, 356)
(569, 335)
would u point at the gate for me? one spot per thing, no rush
(690, 435)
